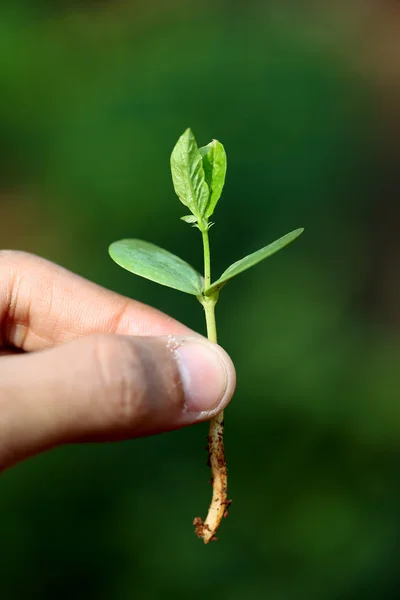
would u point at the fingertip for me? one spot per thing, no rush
(207, 374)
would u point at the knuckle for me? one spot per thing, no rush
(121, 377)
(14, 258)
(6, 254)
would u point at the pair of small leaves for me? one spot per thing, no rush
(198, 175)
(159, 265)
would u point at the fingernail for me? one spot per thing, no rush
(207, 375)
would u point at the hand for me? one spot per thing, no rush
(80, 363)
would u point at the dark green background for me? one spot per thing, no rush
(93, 97)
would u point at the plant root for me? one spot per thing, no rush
(207, 529)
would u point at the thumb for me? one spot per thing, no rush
(108, 387)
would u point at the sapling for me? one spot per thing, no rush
(198, 176)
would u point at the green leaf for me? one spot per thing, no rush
(188, 175)
(155, 263)
(214, 163)
(252, 259)
(189, 219)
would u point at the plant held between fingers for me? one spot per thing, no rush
(198, 175)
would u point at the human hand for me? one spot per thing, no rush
(80, 363)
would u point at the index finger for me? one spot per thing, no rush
(43, 304)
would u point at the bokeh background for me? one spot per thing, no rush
(305, 97)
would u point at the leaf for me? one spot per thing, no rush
(214, 163)
(252, 259)
(155, 263)
(189, 219)
(188, 175)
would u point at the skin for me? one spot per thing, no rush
(79, 363)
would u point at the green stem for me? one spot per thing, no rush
(209, 302)
(207, 260)
(209, 310)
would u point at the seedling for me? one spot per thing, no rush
(198, 175)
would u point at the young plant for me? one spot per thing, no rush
(198, 175)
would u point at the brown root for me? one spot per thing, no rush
(207, 529)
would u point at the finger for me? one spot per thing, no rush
(42, 304)
(107, 387)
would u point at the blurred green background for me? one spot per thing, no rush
(305, 97)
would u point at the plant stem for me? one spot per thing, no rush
(216, 454)
(207, 274)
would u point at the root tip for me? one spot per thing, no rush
(203, 531)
